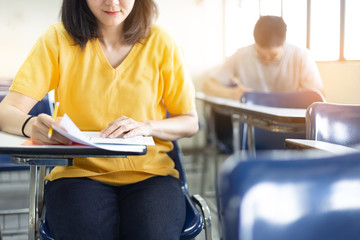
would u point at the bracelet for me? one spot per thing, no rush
(23, 126)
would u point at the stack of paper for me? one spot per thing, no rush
(73, 133)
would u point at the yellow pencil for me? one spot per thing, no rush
(53, 117)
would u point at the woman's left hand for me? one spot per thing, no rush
(126, 127)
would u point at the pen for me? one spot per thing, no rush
(53, 117)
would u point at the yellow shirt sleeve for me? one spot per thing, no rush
(39, 73)
(179, 93)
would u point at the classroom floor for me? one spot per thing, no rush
(14, 195)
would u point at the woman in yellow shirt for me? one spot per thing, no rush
(112, 71)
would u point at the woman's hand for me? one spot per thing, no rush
(126, 127)
(173, 128)
(40, 128)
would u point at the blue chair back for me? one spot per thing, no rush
(264, 139)
(297, 198)
(334, 123)
(43, 106)
(298, 99)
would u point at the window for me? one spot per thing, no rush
(352, 36)
(270, 7)
(294, 14)
(240, 19)
(327, 27)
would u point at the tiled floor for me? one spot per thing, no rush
(14, 195)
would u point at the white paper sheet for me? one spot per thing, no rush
(94, 137)
(76, 135)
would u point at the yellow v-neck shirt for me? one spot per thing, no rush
(152, 79)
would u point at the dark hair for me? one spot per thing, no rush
(81, 23)
(270, 31)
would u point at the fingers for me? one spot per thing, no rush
(118, 127)
(124, 127)
(40, 130)
(134, 132)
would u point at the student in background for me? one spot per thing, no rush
(112, 71)
(268, 65)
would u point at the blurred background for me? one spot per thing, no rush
(210, 30)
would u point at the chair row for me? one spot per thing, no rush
(329, 122)
(286, 194)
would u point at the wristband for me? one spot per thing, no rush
(23, 126)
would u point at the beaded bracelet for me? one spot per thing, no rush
(23, 126)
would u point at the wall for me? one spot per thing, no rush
(197, 26)
(21, 23)
(341, 81)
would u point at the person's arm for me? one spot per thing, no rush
(173, 128)
(310, 75)
(14, 111)
(214, 88)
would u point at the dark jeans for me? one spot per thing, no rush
(80, 208)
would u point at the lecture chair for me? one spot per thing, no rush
(198, 216)
(295, 99)
(266, 139)
(290, 196)
(333, 123)
(43, 106)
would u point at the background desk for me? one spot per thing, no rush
(271, 118)
(49, 155)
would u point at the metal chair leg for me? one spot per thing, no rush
(32, 206)
(205, 212)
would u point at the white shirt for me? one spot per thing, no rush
(294, 71)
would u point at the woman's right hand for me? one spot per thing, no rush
(40, 128)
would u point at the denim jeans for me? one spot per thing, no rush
(80, 208)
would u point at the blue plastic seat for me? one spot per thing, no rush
(293, 196)
(334, 123)
(196, 219)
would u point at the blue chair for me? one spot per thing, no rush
(334, 123)
(291, 196)
(196, 219)
(43, 106)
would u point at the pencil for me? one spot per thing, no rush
(53, 117)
